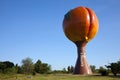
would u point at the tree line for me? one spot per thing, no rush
(113, 68)
(28, 67)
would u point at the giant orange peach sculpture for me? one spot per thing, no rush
(80, 25)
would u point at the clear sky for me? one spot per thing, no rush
(33, 28)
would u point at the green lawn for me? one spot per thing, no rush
(56, 77)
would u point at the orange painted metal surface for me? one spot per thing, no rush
(80, 24)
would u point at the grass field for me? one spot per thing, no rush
(56, 77)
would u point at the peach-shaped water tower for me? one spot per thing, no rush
(80, 25)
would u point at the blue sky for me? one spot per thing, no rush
(33, 28)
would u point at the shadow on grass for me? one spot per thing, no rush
(118, 76)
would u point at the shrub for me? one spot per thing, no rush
(103, 71)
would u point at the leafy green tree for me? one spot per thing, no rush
(64, 70)
(6, 67)
(103, 71)
(45, 68)
(8, 64)
(2, 67)
(70, 69)
(42, 68)
(19, 70)
(38, 66)
(114, 68)
(27, 65)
